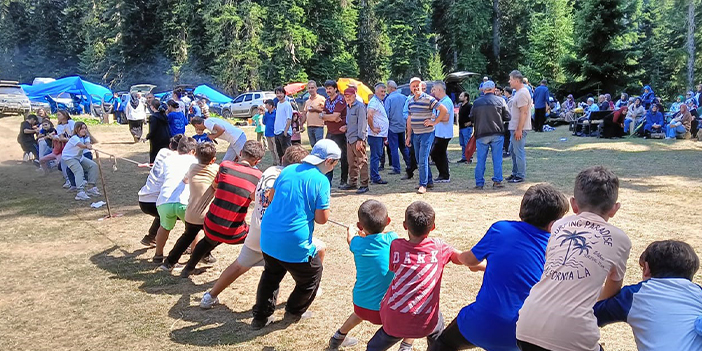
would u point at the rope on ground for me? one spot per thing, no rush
(113, 159)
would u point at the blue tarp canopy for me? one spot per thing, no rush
(71, 85)
(212, 95)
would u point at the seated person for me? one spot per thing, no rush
(680, 125)
(636, 114)
(648, 97)
(567, 108)
(623, 101)
(653, 122)
(665, 309)
(602, 103)
(608, 98)
(675, 107)
(612, 126)
(590, 107)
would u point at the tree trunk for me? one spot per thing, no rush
(690, 44)
(496, 30)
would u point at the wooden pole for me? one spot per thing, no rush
(102, 180)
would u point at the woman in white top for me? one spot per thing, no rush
(85, 170)
(136, 115)
(64, 131)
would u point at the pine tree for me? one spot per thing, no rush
(550, 38)
(463, 33)
(373, 46)
(333, 23)
(409, 36)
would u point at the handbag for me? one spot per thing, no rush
(470, 148)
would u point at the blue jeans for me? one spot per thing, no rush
(627, 123)
(671, 132)
(376, 150)
(422, 146)
(482, 146)
(315, 134)
(518, 151)
(463, 137)
(396, 141)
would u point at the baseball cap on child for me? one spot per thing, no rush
(322, 150)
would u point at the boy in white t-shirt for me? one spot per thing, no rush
(173, 198)
(583, 253)
(223, 130)
(250, 255)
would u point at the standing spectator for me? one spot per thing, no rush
(117, 108)
(178, 98)
(223, 130)
(356, 135)
(394, 104)
(541, 95)
(202, 103)
(159, 135)
(421, 122)
(698, 94)
(283, 119)
(269, 122)
(377, 131)
(334, 117)
(257, 120)
(286, 234)
(443, 133)
(311, 113)
(623, 101)
(413, 159)
(176, 119)
(480, 88)
(508, 93)
(520, 122)
(488, 115)
(465, 126)
(136, 115)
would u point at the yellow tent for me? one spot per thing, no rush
(363, 91)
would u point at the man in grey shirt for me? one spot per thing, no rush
(356, 136)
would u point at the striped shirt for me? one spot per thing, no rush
(410, 308)
(225, 220)
(419, 110)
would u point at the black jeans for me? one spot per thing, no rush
(307, 276)
(539, 119)
(382, 341)
(507, 136)
(282, 143)
(451, 339)
(413, 160)
(183, 242)
(202, 249)
(340, 140)
(150, 209)
(525, 346)
(438, 154)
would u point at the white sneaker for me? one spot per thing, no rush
(67, 184)
(94, 191)
(207, 301)
(72, 188)
(82, 196)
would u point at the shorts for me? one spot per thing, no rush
(367, 315)
(249, 258)
(169, 214)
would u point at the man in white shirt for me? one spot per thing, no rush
(283, 119)
(443, 132)
(223, 130)
(520, 110)
(378, 124)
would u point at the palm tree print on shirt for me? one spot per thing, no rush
(577, 243)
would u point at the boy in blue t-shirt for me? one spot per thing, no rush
(515, 254)
(665, 309)
(269, 132)
(371, 254)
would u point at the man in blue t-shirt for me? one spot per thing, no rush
(515, 254)
(299, 198)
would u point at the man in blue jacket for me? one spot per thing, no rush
(541, 95)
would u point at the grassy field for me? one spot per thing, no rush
(72, 281)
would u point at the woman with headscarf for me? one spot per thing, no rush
(654, 122)
(159, 131)
(635, 114)
(675, 107)
(680, 125)
(567, 108)
(622, 102)
(136, 115)
(612, 125)
(648, 97)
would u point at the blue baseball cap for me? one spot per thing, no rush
(322, 150)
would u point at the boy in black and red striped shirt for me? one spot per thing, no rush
(235, 185)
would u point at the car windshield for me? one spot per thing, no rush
(11, 90)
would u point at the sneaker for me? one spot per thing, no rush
(510, 178)
(342, 184)
(209, 259)
(347, 187)
(186, 272)
(394, 172)
(157, 259)
(348, 341)
(146, 241)
(496, 185)
(462, 161)
(421, 190)
(166, 267)
(381, 168)
(298, 317)
(507, 154)
(516, 180)
(381, 182)
(94, 191)
(258, 324)
(82, 196)
(407, 176)
(362, 190)
(478, 187)
(442, 180)
(405, 347)
(207, 301)
(66, 185)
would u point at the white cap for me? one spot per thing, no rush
(322, 150)
(415, 79)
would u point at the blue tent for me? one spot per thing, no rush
(212, 95)
(72, 85)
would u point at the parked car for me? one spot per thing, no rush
(245, 105)
(13, 100)
(143, 89)
(454, 84)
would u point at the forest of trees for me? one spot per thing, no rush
(579, 46)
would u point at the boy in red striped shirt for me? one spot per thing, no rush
(225, 221)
